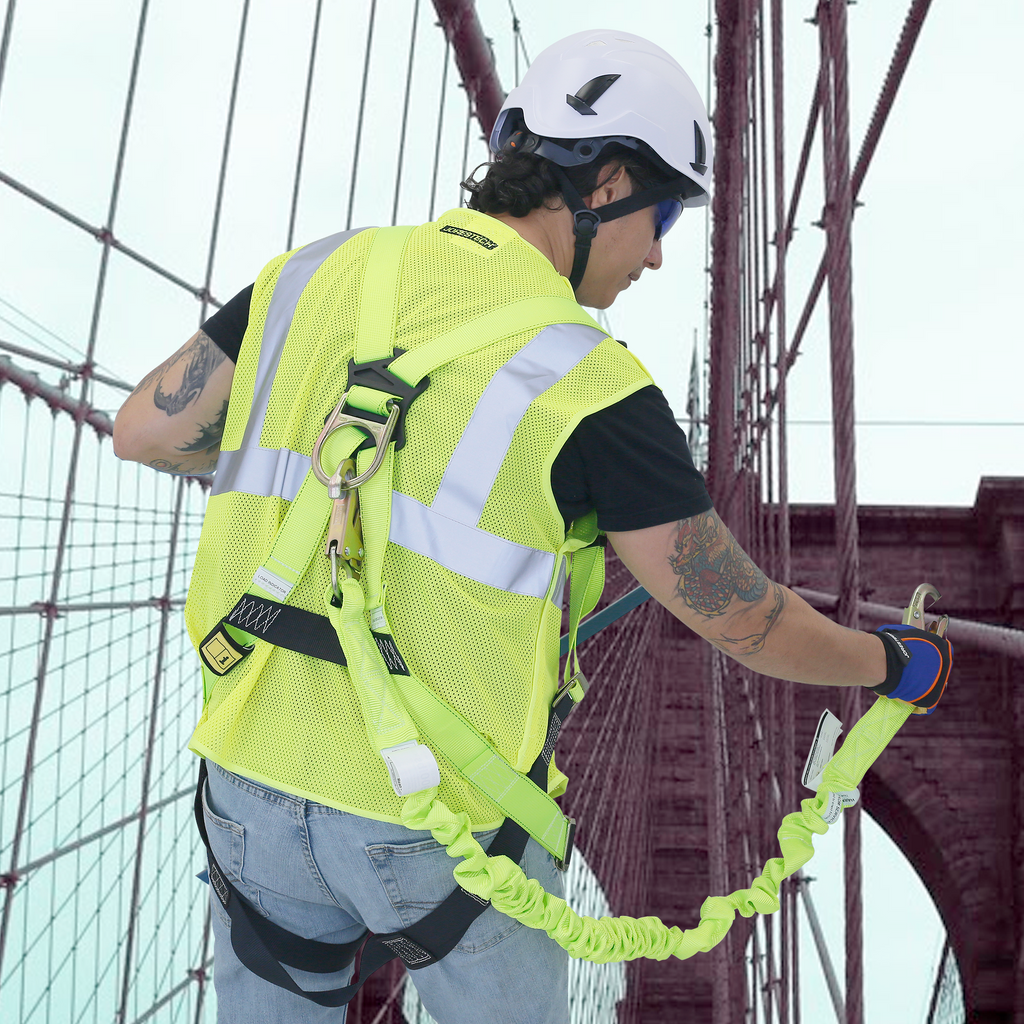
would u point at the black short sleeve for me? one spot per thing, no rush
(226, 327)
(631, 462)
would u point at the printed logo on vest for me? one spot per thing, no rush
(472, 236)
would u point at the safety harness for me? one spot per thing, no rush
(398, 709)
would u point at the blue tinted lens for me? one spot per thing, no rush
(668, 211)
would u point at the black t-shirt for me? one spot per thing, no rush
(630, 460)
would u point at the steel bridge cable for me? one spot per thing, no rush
(305, 123)
(5, 41)
(103, 235)
(839, 211)
(518, 43)
(362, 110)
(69, 494)
(225, 151)
(465, 147)
(405, 111)
(907, 39)
(789, 999)
(909, 34)
(440, 124)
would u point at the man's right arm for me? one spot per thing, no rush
(174, 420)
(698, 571)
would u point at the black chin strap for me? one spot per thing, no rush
(586, 221)
(584, 225)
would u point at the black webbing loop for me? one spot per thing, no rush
(294, 629)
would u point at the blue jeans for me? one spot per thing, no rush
(328, 875)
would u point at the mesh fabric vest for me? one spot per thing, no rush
(490, 652)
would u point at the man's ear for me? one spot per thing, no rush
(614, 184)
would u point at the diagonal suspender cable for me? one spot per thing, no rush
(305, 124)
(362, 111)
(225, 150)
(5, 41)
(440, 125)
(405, 111)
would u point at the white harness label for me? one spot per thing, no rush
(271, 583)
(412, 767)
(837, 803)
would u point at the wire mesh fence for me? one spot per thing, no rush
(99, 697)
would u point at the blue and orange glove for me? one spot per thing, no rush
(919, 662)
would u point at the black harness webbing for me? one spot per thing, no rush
(264, 947)
(294, 629)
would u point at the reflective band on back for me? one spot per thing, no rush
(268, 472)
(469, 551)
(291, 282)
(474, 465)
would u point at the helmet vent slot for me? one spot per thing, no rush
(591, 93)
(700, 153)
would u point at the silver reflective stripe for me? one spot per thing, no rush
(259, 467)
(291, 282)
(447, 531)
(474, 464)
(268, 472)
(470, 551)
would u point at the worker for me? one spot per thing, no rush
(467, 475)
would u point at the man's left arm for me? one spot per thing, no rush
(174, 420)
(697, 570)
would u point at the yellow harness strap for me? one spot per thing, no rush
(399, 709)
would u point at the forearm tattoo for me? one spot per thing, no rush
(209, 433)
(197, 467)
(713, 569)
(200, 357)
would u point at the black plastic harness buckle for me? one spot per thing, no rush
(375, 374)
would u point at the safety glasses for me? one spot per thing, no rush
(667, 213)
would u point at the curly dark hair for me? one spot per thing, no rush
(517, 183)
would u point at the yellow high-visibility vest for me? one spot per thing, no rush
(471, 577)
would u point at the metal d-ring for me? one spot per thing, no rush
(380, 432)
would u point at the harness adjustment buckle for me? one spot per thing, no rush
(376, 374)
(575, 687)
(562, 865)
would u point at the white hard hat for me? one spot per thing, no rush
(602, 86)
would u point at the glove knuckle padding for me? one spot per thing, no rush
(918, 662)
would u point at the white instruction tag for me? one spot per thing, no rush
(271, 583)
(837, 803)
(412, 767)
(378, 621)
(822, 749)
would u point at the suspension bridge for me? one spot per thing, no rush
(681, 763)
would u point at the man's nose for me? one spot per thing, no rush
(653, 259)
